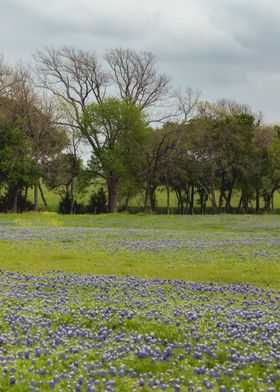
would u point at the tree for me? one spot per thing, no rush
(136, 77)
(222, 136)
(38, 123)
(267, 142)
(17, 167)
(159, 163)
(77, 79)
(33, 117)
(59, 174)
(115, 128)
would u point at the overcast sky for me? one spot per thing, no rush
(224, 48)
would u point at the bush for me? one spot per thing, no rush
(6, 202)
(97, 202)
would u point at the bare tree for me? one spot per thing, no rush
(38, 123)
(232, 107)
(186, 103)
(136, 77)
(72, 75)
(7, 77)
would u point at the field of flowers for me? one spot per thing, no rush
(127, 306)
(241, 251)
(89, 333)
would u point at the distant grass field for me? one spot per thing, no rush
(53, 199)
(225, 248)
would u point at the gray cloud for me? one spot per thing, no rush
(224, 48)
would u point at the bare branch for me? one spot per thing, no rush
(186, 102)
(137, 77)
(7, 78)
(72, 75)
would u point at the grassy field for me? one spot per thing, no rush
(221, 248)
(139, 303)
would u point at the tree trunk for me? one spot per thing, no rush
(127, 201)
(180, 201)
(147, 198)
(222, 196)
(246, 202)
(72, 196)
(228, 198)
(43, 197)
(201, 201)
(167, 194)
(112, 185)
(15, 200)
(267, 202)
(213, 188)
(257, 199)
(191, 200)
(240, 203)
(168, 199)
(36, 198)
(153, 201)
(187, 198)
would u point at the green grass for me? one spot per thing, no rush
(233, 248)
(53, 198)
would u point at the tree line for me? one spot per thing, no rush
(141, 135)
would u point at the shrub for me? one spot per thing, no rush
(6, 202)
(97, 202)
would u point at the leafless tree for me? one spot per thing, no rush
(264, 136)
(7, 77)
(72, 75)
(136, 77)
(232, 107)
(186, 102)
(38, 122)
(180, 106)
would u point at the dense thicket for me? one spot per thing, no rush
(205, 153)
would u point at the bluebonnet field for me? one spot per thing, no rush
(85, 332)
(91, 332)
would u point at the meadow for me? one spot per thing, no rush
(139, 302)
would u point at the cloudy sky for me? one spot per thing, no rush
(224, 48)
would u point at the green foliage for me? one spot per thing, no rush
(17, 168)
(6, 201)
(116, 130)
(119, 128)
(97, 202)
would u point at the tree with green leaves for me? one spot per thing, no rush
(116, 130)
(269, 164)
(17, 167)
(221, 137)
